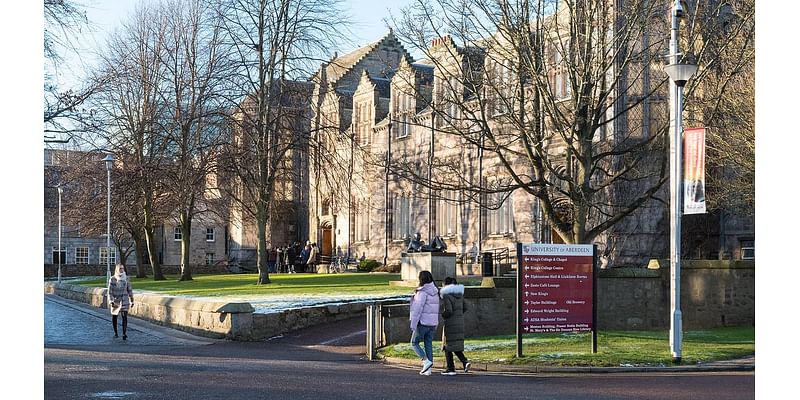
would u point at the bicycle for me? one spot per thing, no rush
(338, 266)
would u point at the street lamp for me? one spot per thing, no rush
(60, 190)
(678, 73)
(109, 165)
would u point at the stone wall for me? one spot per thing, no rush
(713, 294)
(221, 320)
(68, 270)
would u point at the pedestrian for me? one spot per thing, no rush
(290, 258)
(279, 265)
(271, 259)
(453, 308)
(313, 258)
(424, 316)
(304, 256)
(120, 299)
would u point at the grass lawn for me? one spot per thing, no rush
(614, 348)
(280, 284)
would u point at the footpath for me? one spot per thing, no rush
(741, 364)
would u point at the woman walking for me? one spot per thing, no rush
(120, 298)
(424, 317)
(453, 334)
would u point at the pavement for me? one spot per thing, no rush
(741, 364)
(64, 318)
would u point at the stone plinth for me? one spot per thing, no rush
(441, 265)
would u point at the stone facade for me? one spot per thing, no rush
(372, 109)
(209, 241)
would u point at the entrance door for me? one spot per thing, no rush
(327, 242)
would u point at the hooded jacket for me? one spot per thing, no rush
(453, 308)
(425, 306)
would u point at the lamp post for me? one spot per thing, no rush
(678, 74)
(109, 165)
(60, 190)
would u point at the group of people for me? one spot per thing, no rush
(291, 258)
(426, 305)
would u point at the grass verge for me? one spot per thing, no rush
(614, 348)
(280, 284)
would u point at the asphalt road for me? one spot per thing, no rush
(82, 360)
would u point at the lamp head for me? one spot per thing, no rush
(109, 162)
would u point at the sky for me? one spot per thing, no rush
(104, 15)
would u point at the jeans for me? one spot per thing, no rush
(423, 332)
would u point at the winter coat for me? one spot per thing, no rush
(312, 256)
(425, 306)
(453, 308)
(120, 295)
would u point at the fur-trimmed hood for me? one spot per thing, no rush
(455, 289)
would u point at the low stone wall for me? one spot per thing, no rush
(221, 320)
(51, 270)
(713, 294)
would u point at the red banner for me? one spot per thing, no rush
(694, 171)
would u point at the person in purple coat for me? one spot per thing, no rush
(424, 317)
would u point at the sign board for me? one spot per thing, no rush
(556, 288)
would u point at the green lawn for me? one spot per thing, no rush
(614, 348)
(280, 284)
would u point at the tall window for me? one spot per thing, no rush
(501, 220)
(177, 234)
(104, 254)
(401, 227)
(210, 235)
(362, 221)
(62, 253)
(447, 214)
(209, 258)
(82, 255)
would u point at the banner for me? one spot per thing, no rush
(694, 171)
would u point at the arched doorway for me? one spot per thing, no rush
(326, 241)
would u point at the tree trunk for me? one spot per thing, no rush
(140, 245)
(186, 240)
(158, 275)
(261, 250)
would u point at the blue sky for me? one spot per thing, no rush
(105, 15)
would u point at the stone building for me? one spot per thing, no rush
(83, 237)
(382, 175)
(285, 142)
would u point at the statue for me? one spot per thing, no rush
(438, 245)
(416, 244)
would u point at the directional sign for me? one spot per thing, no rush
(556, 288)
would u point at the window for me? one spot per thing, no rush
(362, 221)
(210, 237)
(104, 256)
(63, 254)
(177, 233)
(499, 220)
(209, 258)
(81, 255)
(401, 225)
(748, 249)
(446, 214)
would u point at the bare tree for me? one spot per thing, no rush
(132, 106)
(275, 42)
(64, 114)
(725, 100)
(192, 88)
(565, 99)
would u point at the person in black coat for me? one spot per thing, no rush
(453, 308)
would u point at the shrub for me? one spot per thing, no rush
(368, 265)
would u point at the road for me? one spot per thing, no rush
(82, 360)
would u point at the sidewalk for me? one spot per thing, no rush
(742, 364)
